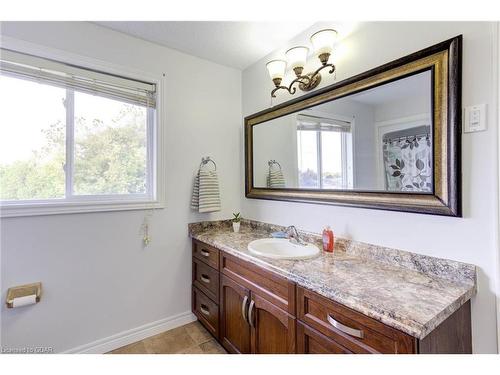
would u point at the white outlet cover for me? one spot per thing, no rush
(475, 118)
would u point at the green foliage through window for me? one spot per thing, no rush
(109, 159)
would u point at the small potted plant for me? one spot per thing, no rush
(236, 222)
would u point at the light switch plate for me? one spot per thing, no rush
(475, 118)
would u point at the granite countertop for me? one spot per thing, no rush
(410, 292)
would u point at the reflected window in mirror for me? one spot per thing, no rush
(324, 152)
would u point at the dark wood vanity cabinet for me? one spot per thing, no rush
(252, 310)
(248, 309)
(251, 320)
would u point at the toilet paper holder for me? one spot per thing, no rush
(23, 291)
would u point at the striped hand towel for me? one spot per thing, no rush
(206, 195)
(275, 179)
(195, 198)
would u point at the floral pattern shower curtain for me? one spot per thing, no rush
(408, 164)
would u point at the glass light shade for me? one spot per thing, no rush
(297, 57)
(323, 41)
(276, 68)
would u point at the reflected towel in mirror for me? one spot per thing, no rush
(275, 179)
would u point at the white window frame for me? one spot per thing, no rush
(154, 198)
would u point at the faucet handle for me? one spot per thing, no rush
(294, 236)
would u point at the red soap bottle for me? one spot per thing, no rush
(328, 240)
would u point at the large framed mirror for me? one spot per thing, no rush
(388, 138)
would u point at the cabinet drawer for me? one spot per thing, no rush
(206, 310)
(352, 330)
(206, 279)
(206, 253)
(310, 341)
(272, 287)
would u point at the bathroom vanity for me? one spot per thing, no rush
(361, 299)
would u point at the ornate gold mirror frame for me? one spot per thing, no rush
(444, 60)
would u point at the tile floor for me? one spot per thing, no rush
(191, 338)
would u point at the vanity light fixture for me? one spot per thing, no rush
(322, 42)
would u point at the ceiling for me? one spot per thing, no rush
(234, 44)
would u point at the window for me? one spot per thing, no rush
(324, 153)
(72, 137)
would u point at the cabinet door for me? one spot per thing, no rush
(273, 329)
(235, 330)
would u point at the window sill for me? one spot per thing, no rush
(57, 208)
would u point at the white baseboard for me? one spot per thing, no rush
(135, 334)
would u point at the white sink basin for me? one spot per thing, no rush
(281, 248)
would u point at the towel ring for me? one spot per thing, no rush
(271, 162)
(204, 161)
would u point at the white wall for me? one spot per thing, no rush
(471, 238)
(97, 279)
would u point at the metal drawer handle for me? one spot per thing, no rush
(205, 279)
(350, 331)
(244, 309)
(204, 309)
(250, 315)
(205, 253)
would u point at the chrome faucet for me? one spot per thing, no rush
(294, 236)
